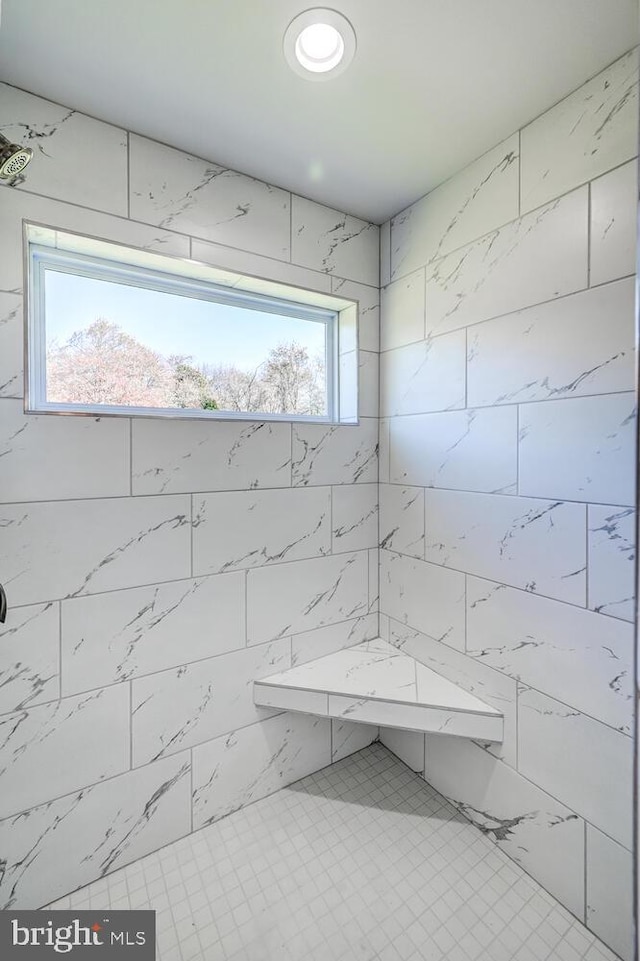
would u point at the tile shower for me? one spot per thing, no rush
(488, 489)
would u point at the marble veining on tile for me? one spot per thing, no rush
(465, 450)
(536, 545)
(428, 597)
(98, 175)
(46, 555)
(123, 634)
(574, 655)
(178, 191)
(539, 832)
(29, 657)
(425, 376)
(587, 133)
(186, 456)
(378, 670)
(193, 703)
(327, 590)
(613, 224)
(335, 455)
(539, 257)
(245, 529)
(581, 449)
(556, 350)
(402, 519)
(612, 552)
(11, 345)
(589, 757)
(488, 685)
(334, 242)
(75, 839)
(477, 199)
(54, 748)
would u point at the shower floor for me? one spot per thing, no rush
(359, 862)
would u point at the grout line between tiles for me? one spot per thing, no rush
(589, 236)
(128, 174)
(59, 650)
(585, 873)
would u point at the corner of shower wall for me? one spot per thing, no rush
(507, 485)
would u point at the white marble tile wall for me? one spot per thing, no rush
(155, 567)
(611, 552)
(510, 290)
(609, 903)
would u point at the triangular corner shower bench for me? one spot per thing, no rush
(375, 683)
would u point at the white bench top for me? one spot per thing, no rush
(376, 683)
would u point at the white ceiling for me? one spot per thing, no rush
(434, 83)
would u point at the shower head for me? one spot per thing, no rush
(13, 158)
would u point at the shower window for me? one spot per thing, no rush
(111, 337)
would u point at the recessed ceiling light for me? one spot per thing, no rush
(319, 44)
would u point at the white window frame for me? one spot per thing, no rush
(42, 257)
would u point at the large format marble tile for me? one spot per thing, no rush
(309, 645)
(232, 771)
(98, 448)
(333, 242)
(537, 831)
(580, 449)
(242, 529)
(402, 311)
(185, 193)
(581, 344)
(464, 450)
(348, 737)
(585, 764)
(171, 456)
(354, 517)
(587, 133)
(536, 545)
(335, 455)
(579, 657)
(476, 200)
(11, 345)
(190, 704)
(612, 552)
(45, 552)
(302, 595)
(383, 450)
(358, 385)
(55, 748)
(17, 205)
(425, 376)
(374, 580)
(253, 265)
(368, 383)
(610, 892)
(76, 158)
(490, 686)
(114, 636)
(541, 256)
(368, 299)
(29, 657)
(614, 224)
(402, 519)
(425, 596)
(63, 844)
